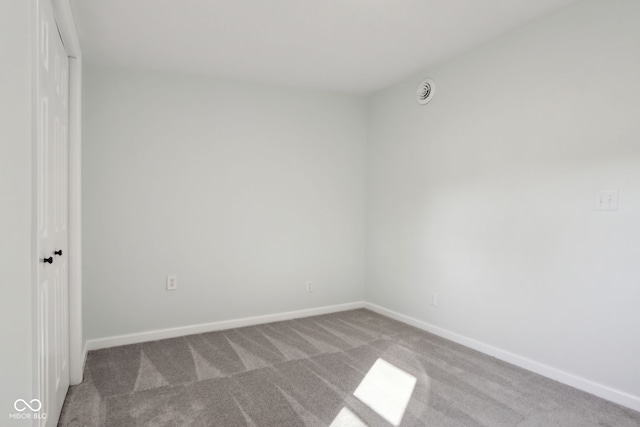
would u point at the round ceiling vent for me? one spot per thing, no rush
(425, 91)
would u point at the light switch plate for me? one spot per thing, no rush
(606, 201)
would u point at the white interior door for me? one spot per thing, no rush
(52, 208)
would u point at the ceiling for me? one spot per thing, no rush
(356, 46)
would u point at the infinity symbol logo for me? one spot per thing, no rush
(21, 403)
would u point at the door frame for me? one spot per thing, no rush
(69, 34)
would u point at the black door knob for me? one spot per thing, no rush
(49, 260)
(59, 252)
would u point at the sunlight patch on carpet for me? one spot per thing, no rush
(346, 418)
(386, 389)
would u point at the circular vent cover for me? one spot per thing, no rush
(425, 91)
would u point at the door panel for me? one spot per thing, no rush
(52, 208)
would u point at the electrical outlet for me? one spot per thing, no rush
(434, 298)
(172, 283)
(309, 286)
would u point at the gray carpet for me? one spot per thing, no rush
(305, 372)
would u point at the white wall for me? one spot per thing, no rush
(485, 195)
(15, 206)
(244, 191)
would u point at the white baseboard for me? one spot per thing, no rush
(592, 387)
(160, 334)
